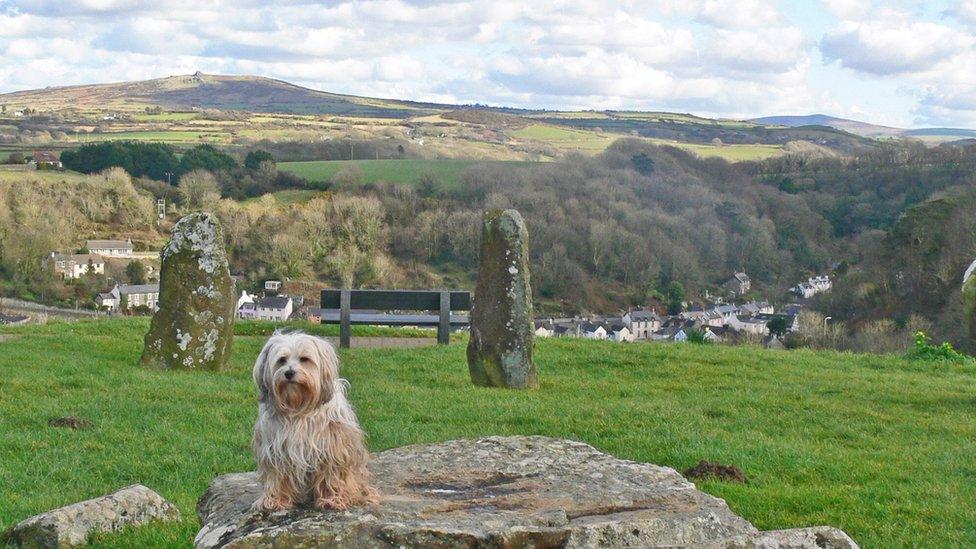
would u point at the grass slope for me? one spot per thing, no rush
(568, 139)
(401, 171)
(876, 445)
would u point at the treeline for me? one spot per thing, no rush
(871, 190)
(606, 231)
(256, 175)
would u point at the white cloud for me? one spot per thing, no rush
(893, 46)
(848, 9)
(738, 14)
(715, 57)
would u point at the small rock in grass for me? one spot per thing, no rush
(72, 525)
(714, 469)
(71, 422)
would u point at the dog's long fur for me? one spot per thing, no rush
(307, 442)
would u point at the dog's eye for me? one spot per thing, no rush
(282, 360)
(305, 360)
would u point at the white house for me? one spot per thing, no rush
(642, 323)
(749, 325)
(812, 286)
(245, 298)
(130, 296)
(110, 248)
(75, 266)
(725, 314)
(544, 328)
(272, 285)
(619, 333)
(276, 308)
(590, 330)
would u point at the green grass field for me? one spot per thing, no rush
(165, 117)
(586, 141)
(168, 136)
(49, 176)
(400, 171)
(876, 445)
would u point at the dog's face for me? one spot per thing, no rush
(296, 372)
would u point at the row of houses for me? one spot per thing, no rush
(813, 286)
(126, 297)
(75, 266)
(716, 323)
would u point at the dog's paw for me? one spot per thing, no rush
(371, 496)
(267, 503)
(331, 503)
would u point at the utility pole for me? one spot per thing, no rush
(169, 178)
(826, 319)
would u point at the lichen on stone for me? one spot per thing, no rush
(500, 346)
(193, 327)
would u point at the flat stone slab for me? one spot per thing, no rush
(501, 492)
(72, 525)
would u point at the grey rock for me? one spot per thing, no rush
(500, 346)
(194, 326)
(70, 526)
(499, 492)
(825, 537)
(969, 299)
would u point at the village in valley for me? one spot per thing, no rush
(733, 314)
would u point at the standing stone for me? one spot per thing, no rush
(194, 326)
(500, 348)
(969, 299)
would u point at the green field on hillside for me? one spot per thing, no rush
(168, 136)
(587, 141)
(49, 176)
(165, 117)
(401, 171)
(567, 139)
(876, 445)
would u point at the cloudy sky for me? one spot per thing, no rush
(901, 62)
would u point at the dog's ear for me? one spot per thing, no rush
(260, 373)
(328, 362)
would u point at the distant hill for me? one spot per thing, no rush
(205, 91)
(853, 126)
(864, 128)
(258, 94)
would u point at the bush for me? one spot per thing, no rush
(698, 337)
(254, 159)
(924, 350)
(794, 340)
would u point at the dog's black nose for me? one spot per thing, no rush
(289, 374)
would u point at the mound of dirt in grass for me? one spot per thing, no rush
(714, 469)
(71, 422)
(501, 492)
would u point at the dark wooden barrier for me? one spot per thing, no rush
(342, 306)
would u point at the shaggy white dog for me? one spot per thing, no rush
(307, 442)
